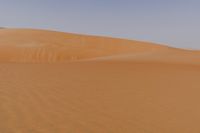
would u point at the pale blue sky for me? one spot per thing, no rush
(172, 22)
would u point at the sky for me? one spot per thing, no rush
(171, 22)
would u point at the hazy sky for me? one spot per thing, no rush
(172, 22)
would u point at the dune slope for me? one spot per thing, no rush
(26, 45)
(54, 82)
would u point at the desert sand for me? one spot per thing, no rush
(55, 82)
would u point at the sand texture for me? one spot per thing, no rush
(54, 82)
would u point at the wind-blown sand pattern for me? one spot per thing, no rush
(53, 82)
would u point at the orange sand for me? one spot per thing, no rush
(53, 82)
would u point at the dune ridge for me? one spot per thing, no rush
(28, 45)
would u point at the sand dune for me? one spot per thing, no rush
(53, 82)
(40, 46)
(44, 46)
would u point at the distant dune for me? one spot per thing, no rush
(55, 82)
(23, 45)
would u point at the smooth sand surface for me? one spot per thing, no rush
(53, 82)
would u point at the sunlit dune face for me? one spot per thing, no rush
(41, 46)
(47, 46)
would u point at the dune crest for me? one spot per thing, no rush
(42, 46)
(26, 45)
